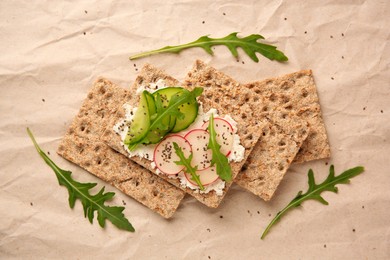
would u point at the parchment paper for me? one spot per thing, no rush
(52, 51)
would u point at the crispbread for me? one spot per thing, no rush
(273, 154)
(282, 131)
(81, 145)
(297, 92)
(240, 111)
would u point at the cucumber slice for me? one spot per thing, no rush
(140, 123)
(190, 110)
(166, 94)
(155, 136)
(151, 105)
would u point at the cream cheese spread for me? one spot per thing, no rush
(147, 151)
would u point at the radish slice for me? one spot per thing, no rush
(199, 139)
(225, 135)
(165, 155)
(207, 176)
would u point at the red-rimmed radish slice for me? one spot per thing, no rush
(165, 155)
(225, 134)
(199, 139)
(206, 176)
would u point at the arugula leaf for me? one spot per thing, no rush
(186, 162)
(249, 44)
(219, 159)
(91, 203)
(315, 190)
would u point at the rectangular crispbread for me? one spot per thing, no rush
(82, 146)
(282, 132)
(239, 110)
(273, 154)
(297, 92)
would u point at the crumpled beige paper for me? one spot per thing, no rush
(52, 51)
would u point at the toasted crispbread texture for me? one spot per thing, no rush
(81, 145)
(297, 92)
(276, 149)
(248, 131)
(270, 158)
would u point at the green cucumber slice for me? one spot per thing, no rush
(166, 94)
(156, 135)
(140, 123)
(151, 105)
(190, 110)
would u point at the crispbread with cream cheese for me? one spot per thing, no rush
(240, 111)
(81, 145)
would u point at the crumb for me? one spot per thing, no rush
(382, 111)
(353, 230)
(243, 62)
(362, 207)
(43, 100)
(238, 60)
(342, 57)
(331, 36)
(364, 108)
(31, 204)
(136, 69)
(48, 152)
(221, 216)
(326, 163)
(209, 257)
(84, 33)
(135, 65)
(224, 13)
(305, 32)
(285, 18)
(269, 215)
(203, 22)
(85, 11)
(342, 34)
(258, 212)
(209, 230)
(324, 246)
(332, 78)
(124, 203)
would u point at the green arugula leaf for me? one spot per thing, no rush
(315, 190)
(91, 203)
(186, 162)
(219, 159)
(249, 44)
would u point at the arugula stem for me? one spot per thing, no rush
(174, 49)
